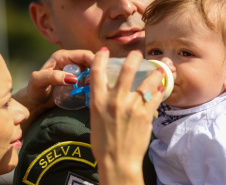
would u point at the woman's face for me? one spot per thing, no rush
(11, 115)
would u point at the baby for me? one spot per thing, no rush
(190, 37)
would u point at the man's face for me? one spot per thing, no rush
(92, 24)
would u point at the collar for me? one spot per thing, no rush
(174, 111)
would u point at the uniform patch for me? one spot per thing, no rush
(70, 150)
(74, 179)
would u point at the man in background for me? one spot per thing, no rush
(56, 149)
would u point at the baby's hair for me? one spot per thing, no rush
(212, 12)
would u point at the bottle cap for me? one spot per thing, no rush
(62, 94)
(168, 81)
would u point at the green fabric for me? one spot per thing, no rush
(58, 145)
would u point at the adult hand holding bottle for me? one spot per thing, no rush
(37, 95)
(121, 120)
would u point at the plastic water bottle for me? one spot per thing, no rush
(146, 67)
(77, 96)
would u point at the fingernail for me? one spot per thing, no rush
(70, 79)
(140, 51)
(161, 89)
(104, 49)
(160, 70)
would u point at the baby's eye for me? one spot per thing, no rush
(155, 52)
(185, 53)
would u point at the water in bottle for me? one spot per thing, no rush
(77, 96)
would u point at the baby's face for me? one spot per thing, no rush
(195, 54)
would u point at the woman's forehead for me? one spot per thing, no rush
(5, 78)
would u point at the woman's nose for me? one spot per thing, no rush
(20, 113)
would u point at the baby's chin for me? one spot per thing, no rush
(176, 102)
(183, 104)
(172, 101)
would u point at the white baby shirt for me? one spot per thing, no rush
(192, 149)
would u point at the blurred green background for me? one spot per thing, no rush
(21, 45)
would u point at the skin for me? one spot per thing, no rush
(11, 115)
(121, 17)
(71, 24)
(127, 116)
(195, 54)
(118, 26)
(37, 96)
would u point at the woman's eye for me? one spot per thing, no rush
(6, 105)
(155, 52)
(185, 53)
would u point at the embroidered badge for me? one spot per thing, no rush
(70, 150)
(74, 179)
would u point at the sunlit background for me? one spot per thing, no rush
(21, 45)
